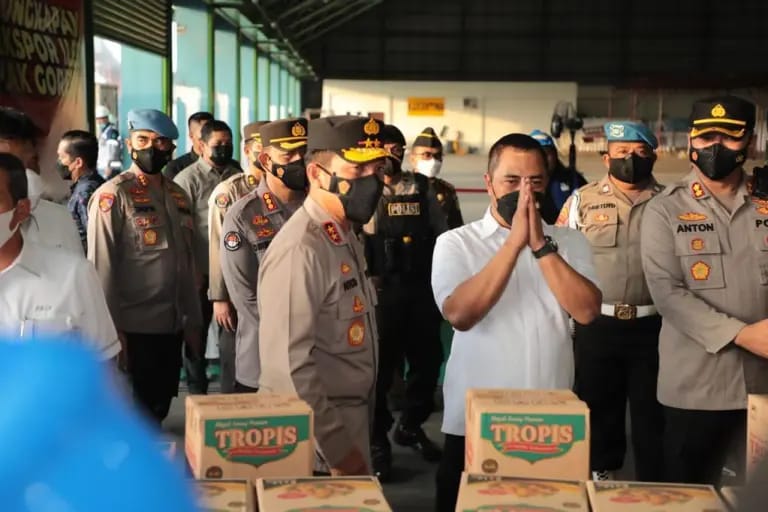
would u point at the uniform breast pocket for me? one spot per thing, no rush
(602, 227)
(150, 233)
(701, 258)
(351, 314)
(760, 243)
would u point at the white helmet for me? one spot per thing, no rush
(102, 111)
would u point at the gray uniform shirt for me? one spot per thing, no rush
(707, 271)
(317, 336)
(249, 227)
(140, 241)
(198, 181)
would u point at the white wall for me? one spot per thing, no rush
(504, 107)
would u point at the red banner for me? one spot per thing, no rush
(42, 70)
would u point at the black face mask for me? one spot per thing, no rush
(63, 170)
(717, 161)
(221, 155)
(293, 174)
(359, 197)
(506, 205)
(760, 182)
(151, 160)
(632, 169)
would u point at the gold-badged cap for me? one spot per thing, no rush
(287, 134)
(730, 115)
(355, 139)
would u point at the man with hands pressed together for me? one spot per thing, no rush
(508, 284)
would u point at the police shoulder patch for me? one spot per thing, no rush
(106, 201)
(222, 200)
(233, 241)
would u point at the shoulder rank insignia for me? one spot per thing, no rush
(106, 201)
(233, 241)
(333, 232)
(251, 180)
(697, 190)
(259, 220)
(143, 180)
(762, 210)
(700, 271)
(222, 200)
(150, 237)
(692, 216)
(269, 201)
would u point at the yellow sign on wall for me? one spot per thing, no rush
(426, 106)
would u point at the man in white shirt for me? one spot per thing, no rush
(49, 223)
(508, 284)
(45, 290)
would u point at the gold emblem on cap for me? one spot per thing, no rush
(371, 127)
(298, 130)
(718, 111)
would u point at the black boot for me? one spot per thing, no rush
(417, 439)
(381, 457)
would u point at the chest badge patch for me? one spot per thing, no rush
(697, 244)
(356, 333)
(345, 269)
(106, 201)
(145, 222)
(700, 271)
(357, 305)
(233, 241)
(403, 209)
(150, 237)
(697, 190)
(692, 217)
(222, 200)
(259, 220)
(601, 217)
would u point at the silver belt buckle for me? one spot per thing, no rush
(625, 311)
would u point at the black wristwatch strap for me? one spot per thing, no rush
(549, 247)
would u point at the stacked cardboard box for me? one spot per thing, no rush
(490, 493)
(361, 494)
(248, 436)
(652, 497)
(731, 496)
(757, 431)
(224, 495)
(527, 433)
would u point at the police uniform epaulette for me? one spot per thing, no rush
(443, 183)
(123, 177)
(588, 187)
(674, 186)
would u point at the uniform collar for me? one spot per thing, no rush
(203, 165)
(28, 260)
(83, 179)
(698, 190)
(331, 229)
(488, 224)
(607, 187)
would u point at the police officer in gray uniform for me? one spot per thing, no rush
(249, 227)
(704, 243)
(140, 233)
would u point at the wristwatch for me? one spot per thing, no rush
(549, 247)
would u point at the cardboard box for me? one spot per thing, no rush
(489, 493)
(731, 496)
(527, 433)
(757, 431)
(361, 494)
(652, 497)
(248, 436)
(224, 495)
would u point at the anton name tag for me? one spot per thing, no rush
(401, 209)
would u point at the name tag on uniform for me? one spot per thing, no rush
(402, 209)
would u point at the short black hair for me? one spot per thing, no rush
(519, 141)
(82, 144)
(16, 125)
(214, 126)
(199, 117)
(17, 176)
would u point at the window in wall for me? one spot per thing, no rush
(274, 91)
(263, 99)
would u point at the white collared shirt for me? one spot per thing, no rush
(52, 291)
(52, 225)
(524, 341)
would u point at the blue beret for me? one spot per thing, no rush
(627, 131)
(543, 139)
(152, 120)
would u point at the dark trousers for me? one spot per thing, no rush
(449, 472)
(195, 366)
(227, 359)
(409, 327)
(617, 361)
(242, 388)
(698, 444)
(154, 361)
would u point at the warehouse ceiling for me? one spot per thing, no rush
(637, 43)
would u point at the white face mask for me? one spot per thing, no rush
(429, 168)
(5, 230)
